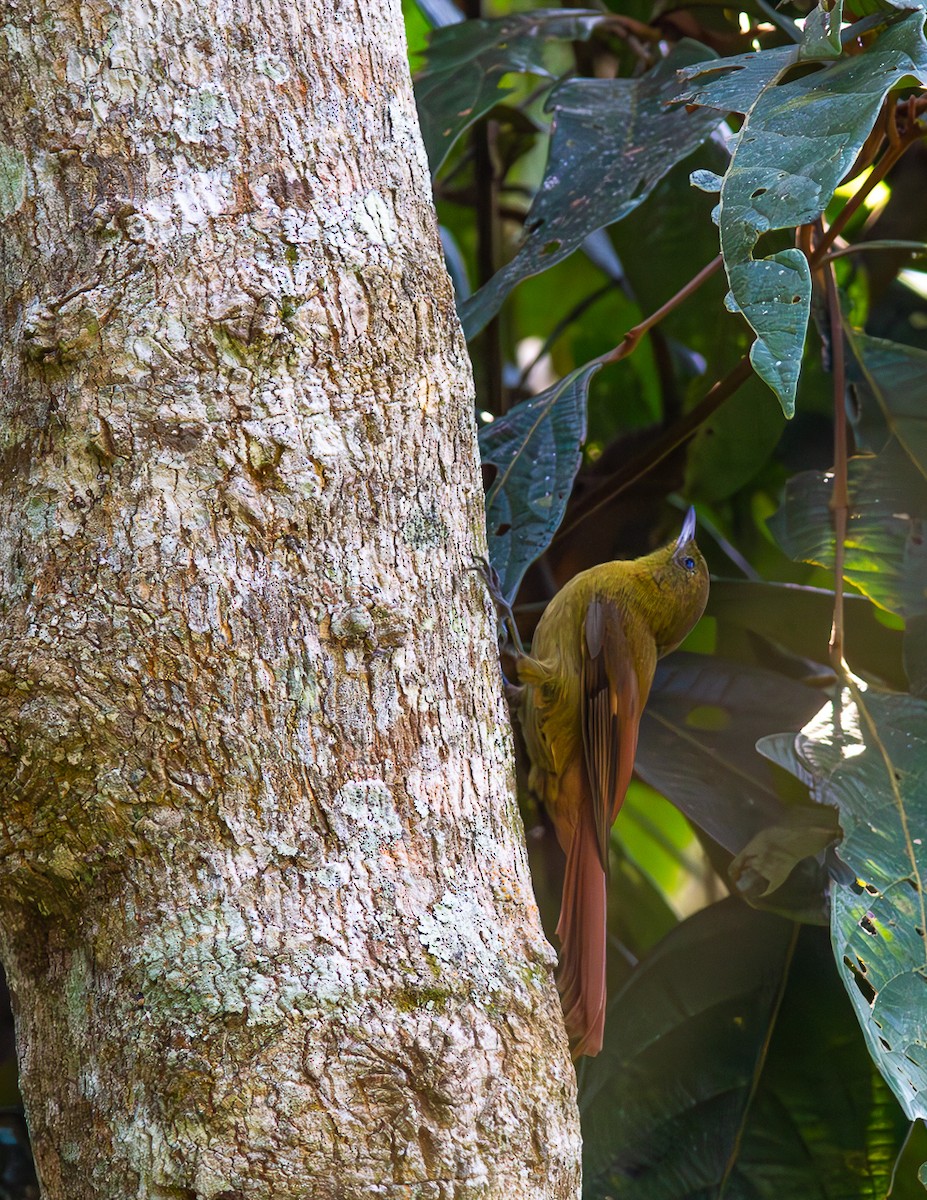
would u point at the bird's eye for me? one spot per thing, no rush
(689, 564)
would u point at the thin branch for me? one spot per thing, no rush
(562, 325)
(840, 498)
(898, 1157)
(675, 436)
(899, 139)
(916, 248)
(631, 339)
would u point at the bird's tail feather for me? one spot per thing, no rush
(581, 928)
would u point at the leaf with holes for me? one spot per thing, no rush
(613, 140)
(869, 759)
(797, 142)
(465, 62)
(733, 84)
(535, 449)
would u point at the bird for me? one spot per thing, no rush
(582, 690)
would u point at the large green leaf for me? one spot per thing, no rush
(823, 1123)
(703, 1090)
(798, 140)
(733, 444)
(465, 62)
(535, 449)
(733, 84)
(868, 757)
(612, 141)
(697, 739)
(664, 1102)
(800, 618)
(885, 550)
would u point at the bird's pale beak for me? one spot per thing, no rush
(688, 530)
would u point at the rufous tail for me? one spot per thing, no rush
(581, 929)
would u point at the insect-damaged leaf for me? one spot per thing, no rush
(797, 142)
(868, 757)
(535, 449)
(612, 142)
(464, 63)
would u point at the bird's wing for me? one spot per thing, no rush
(611, 711)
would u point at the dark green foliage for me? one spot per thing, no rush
(736, 1065)
(612, 140)
(535, 450)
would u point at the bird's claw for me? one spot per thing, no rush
(507, 628)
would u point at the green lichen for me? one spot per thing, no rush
(411, 999)
(12, 180)
(424, 531)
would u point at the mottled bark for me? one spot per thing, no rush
(264, 902)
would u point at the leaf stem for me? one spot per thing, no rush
(675, 436)
(899, 139)
(631, 339)
(840, 498)
(918, 249)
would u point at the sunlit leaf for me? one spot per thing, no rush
(821, 35)
(465, 62)
(868, 757)
(535, 449)
(885, 551)
(612, 141)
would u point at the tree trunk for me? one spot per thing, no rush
(263, 893)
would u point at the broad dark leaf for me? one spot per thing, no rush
(869, 759)
(535, 449)
(823, 1123)
(697, 739)
(798, 140)
(734, 443)
(465, 62)
(686, 1103)
(664, 1102)
(612, 141)
(800, 619)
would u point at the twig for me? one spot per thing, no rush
(840, 498)
(675, 436)
(631, 339)
(898, 142)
